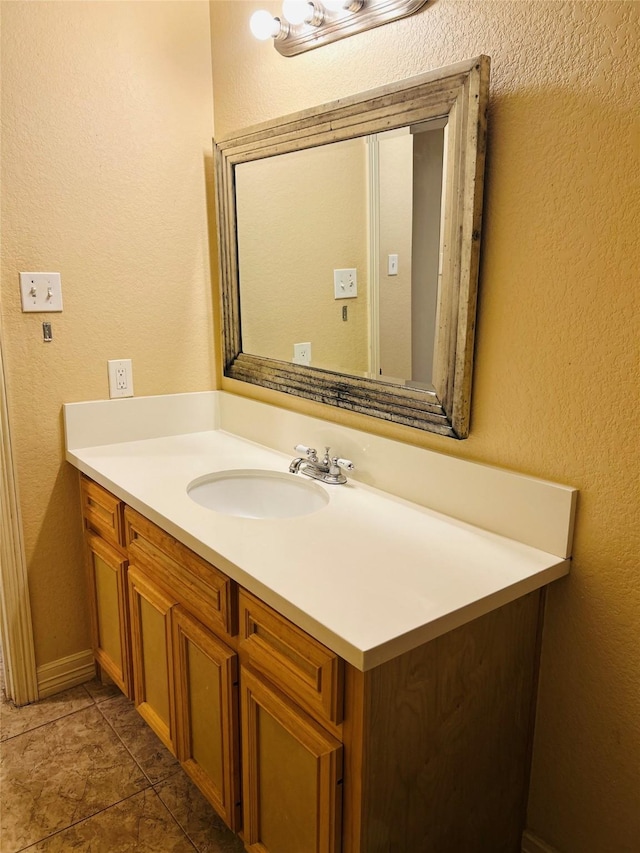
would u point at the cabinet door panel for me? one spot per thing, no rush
(107, 572)
(203, 690)
(150, 609)
(292, 773)
(207, 713)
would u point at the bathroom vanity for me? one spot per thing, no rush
(359, 679)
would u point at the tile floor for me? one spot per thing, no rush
(82, 771)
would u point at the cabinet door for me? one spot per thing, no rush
(151, 642)
(292, 773)
(206, 686)
(107, 578)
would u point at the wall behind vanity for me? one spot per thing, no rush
(555, 388)
(106, 133)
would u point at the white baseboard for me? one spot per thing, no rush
(64, 673)
(532, 844)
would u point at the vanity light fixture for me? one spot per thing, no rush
(306, 24)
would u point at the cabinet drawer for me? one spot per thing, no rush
(205, 591)
(297, 664)
(102, 512)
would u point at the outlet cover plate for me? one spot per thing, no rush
(302, 353)
(120, 377)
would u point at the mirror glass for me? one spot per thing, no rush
(369, 205)
(349, 238)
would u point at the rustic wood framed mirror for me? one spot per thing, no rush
(349, 249)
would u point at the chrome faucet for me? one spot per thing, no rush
(328, 470)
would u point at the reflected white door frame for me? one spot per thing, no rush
(373, 222)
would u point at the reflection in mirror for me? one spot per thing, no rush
(407, 170)
(371, 204)
(349, 248)
(300, 216)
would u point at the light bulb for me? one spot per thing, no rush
(263, 25)
(297, 11)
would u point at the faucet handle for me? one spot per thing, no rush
(308, 451)
(347, 464)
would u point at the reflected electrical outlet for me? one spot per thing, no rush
(302, 353)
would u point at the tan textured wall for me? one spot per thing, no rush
(556, 383)
(106, 122)
(300, 216)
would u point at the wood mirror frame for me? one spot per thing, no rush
(458, 92)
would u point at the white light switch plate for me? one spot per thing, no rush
(41, 291)
(345, 283)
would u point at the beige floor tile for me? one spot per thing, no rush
(155, 760)
(140, 824)
(194, 814)
(15, 721)
(60, 773)
(100, 692)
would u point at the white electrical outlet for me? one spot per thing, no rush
(302, 353)
(41, 291)
(345, 283)
(120, 377)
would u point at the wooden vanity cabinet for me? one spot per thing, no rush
(427, 752)
(106, 569)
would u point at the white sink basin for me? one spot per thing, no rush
(258, 494)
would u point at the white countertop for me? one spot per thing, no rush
(369, 575)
